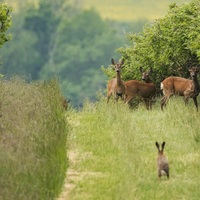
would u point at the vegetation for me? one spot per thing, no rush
(111, 148)
(33, 136)
(48, 40)
(131, 10)
(113, 152)
(5, 23)
(57, 39)
(169, 45)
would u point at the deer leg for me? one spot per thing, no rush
(116, 97)
(108, 96)
(147, 103)
(128, 99)
(150, 104)
(122, 97)
(163, 102)
(195, 102)
(186, 98)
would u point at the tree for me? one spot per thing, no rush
(33, 33)
(169, 45)
(82, 45)
(5, 23)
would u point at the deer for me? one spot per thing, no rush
(181, 86)
(116, 86)
(144, 89)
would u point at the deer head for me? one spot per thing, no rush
(117, 66)
(146, 74)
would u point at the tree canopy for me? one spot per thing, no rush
(5, 23)
(169, 45)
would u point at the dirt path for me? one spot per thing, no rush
(71, 176)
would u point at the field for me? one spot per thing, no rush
(126, 10)
(112, 152)
(130, 10)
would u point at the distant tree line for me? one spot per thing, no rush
(59, 39)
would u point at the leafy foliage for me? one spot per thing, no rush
(5, 23)
(169, 45)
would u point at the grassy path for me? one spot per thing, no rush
(71, 176)
(112, 152)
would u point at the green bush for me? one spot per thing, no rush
(33, 136)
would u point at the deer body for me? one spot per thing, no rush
(116, 86)
(144, 89)
(182, 87)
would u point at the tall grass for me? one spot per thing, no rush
(116, 152)
(32, 140)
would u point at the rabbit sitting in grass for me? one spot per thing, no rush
(162, 162)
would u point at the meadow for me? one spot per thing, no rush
(106, 151)
(112, 152)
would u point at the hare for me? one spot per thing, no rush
(162, 162)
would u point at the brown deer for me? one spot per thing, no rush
(116, 86)
(144, 89)
(180, 86)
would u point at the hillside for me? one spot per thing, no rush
(128, 10)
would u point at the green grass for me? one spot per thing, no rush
(32, 140)
(116, 152)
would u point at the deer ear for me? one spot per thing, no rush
(112, 61)
(122, 61)
(150, 70)
(141, 70)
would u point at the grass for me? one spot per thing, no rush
(130, 10)
(116, 152)
(32, 140)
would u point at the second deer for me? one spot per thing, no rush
(180, 86)
(145, 89)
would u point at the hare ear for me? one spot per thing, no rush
(158, 146)
(163, 146)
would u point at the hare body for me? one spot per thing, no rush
(162, 162)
